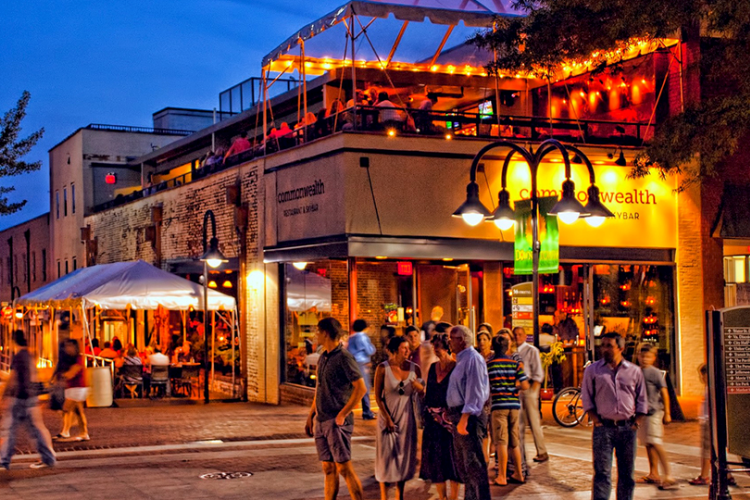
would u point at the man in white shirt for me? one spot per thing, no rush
(532, 365)
(158, 359)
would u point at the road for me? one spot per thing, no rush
(162, 452)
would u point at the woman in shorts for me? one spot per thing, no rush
(76, 391)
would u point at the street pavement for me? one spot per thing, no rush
(162, 451)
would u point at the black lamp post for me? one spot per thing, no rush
(213, 257)
(568, 209)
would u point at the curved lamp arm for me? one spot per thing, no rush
(515, 148)
(544, 151)
(547, 147)
(208, 215)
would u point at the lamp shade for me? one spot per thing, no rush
(503, 216)
(472, 211)
(598, 213)
(568, 209)
(213, 256)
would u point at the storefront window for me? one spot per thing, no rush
(318, 290)
(634, 300)
(735, 269)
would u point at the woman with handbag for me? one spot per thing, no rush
(437, 441)
(397, 382)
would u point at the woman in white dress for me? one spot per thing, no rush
(397, 382)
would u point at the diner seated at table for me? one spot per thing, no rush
(108, 352)
(131, 358)
(183, 354)
(390, 115)
(158, 359)
(239, 145)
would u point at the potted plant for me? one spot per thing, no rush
(556, 354)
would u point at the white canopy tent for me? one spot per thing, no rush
(123, 285)
(133, 285)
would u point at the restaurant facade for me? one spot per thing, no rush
(354, 222)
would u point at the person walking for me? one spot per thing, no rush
(71, 371)
(614, 395)
(22, 405)
(468, 390)
(506, 380)
(652, 432)
(397, 383)
(362, 349)
(438, 465)
(532, 365)
(340, 387)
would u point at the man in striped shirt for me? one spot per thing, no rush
(506, 380)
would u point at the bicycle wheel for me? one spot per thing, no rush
(567, 408)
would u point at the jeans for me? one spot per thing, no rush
(366, 411)
(18, 411)
(621, 440)
(469, 459)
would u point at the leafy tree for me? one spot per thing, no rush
(12, 149)
(553, 33)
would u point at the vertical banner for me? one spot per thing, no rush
(549, 238)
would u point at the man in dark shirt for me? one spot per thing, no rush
(21, 405)
(331, 422)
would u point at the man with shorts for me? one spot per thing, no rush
(340, 387)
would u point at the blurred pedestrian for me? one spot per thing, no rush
(71, 371)
(397, 383)
(437, 465)
(506, 380)
(340, 387)
(21, 404)
(362, 349)
(614, 395)
(652, 431)
(532, 366)
(468, 390)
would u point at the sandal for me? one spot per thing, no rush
(60, 436)
(668, 485)
(647, 480)
(700, 481)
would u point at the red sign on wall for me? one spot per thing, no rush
(404, 268)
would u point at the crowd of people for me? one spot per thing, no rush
(473, 396)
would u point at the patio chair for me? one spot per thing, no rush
(185, 383)
(131, 378)
(160, 378)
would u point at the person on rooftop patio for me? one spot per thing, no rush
(390, 116)
(239, 145)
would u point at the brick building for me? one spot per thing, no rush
(351, 217)
(25, 265)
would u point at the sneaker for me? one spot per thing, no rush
(371, 416)
(39, 465)
(5, 466)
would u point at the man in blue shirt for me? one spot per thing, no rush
(362, 349)
(468, 391)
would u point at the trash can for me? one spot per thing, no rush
(100, 395)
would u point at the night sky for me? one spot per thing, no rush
(118, 62)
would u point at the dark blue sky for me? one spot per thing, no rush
(118, 62)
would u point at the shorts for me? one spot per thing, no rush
(78, 394)
(505, 428)
(334, 443)
(705, 440)
(652, 430)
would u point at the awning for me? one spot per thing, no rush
(733, 219)
(473, 13)
(122, 285)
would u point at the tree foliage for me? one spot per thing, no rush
(13, 149)
(553, 33)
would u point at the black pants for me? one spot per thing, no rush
(469, 458)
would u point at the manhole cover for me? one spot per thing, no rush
(226, 475)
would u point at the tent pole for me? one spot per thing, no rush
(231, 339)
(354, 72)
(213, 346)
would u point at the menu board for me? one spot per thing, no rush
(735, 329)
(522, 307)
(737, 359)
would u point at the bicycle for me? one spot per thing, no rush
(567, 407)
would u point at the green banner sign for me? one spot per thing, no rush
(549, 237)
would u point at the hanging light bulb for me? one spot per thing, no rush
(503, 216)
(472, 211)
(300, 265)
